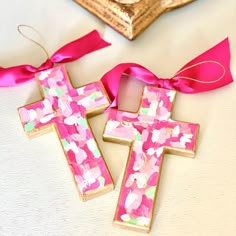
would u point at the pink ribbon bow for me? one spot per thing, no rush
(72, 51)
(210, 70)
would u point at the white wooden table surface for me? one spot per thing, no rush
(196, 197)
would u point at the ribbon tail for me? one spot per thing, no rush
(210, 70)
(15, 75)
(80, 47)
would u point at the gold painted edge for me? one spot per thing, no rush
(128, 226)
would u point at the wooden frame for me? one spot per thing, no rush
(130, 19)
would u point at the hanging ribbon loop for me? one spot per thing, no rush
(210, 70)
(72, 51)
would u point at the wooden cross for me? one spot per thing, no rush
(64, 110)
(151, 133)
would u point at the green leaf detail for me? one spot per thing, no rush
(133, 221)
(138, 137)
(101, 181)
(95, 95)
(45, 90)
(144, 110)
(150, 192)
(64, 142)
(96, 153)
(83, 122)
(29, 126)
(59, 92)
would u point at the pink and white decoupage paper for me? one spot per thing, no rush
(151, 133)
(65, 109)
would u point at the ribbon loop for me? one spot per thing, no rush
(210, 70)
(72, 51)
(32, 40)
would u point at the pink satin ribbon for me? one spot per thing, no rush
(210, 70)
(72, 51)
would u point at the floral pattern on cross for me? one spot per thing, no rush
(151, 133)
(65, 110)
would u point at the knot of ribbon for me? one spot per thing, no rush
(210, 70)
(72, 51)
